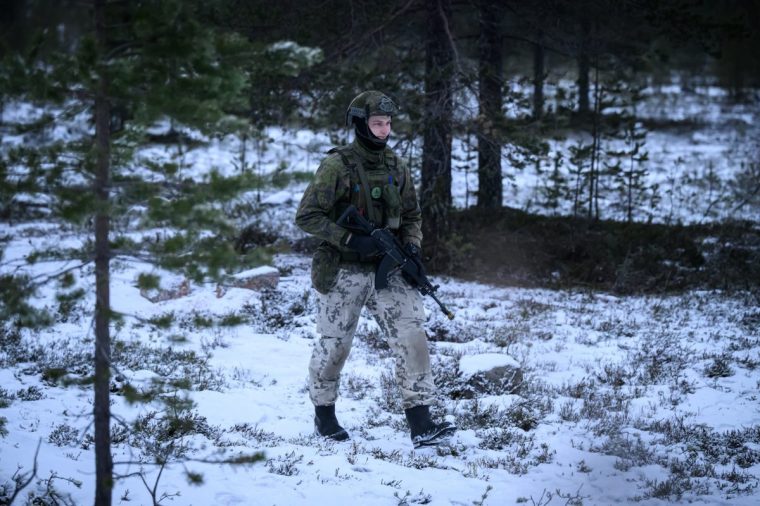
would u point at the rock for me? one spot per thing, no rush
(259, 278)
(492, 373)
(181, 289)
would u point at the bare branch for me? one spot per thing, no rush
(43, 279)
(447, 29)
(351, 47)
(23, 481)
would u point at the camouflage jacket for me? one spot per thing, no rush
(336, 185)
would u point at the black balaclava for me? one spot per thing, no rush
(366, 137)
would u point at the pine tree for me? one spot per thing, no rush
(629, 172)
(539, 74)
(611, 94)
(435, 188)
(626, 156)
(490, 81)
(100, 90)
(138, 65)
(580, 161)
(466, 163)
(555, 189)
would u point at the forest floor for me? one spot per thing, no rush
(509, 247)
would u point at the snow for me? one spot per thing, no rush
(473, 364)
(618, 387)
(263, 387)
(257, 271)
(281, 197)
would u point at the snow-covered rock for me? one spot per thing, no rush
(257, 279)
(491, 373)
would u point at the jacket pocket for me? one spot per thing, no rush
(324, 268)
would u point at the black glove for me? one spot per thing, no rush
(365, 245)
(415, 253)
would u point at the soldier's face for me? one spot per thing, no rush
(380, 126)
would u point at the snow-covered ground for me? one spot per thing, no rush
(636, 399)
(643, 400)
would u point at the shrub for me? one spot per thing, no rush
(719, 368)
(63, 435)
(32, 393)
(285, 465)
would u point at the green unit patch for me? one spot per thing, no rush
(377, 192)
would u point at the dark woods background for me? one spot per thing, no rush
(454, 66)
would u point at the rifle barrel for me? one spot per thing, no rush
(443, 307)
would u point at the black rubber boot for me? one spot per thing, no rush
(425, 432)
(326, 425)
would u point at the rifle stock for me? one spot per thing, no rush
(395, 257)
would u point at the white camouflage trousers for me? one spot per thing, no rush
(399, 312)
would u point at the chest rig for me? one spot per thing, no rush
(375, 189)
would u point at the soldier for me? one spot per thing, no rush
(368, 175)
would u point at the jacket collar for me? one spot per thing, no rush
(368, 157)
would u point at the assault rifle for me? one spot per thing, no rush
(394, 256)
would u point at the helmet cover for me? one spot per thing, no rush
(370, 103)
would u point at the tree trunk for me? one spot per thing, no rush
(15, 25)
(584, 67)
(539, 73)
(101, 410)
(593, 196)
(629, 203)
(490, 103)
(435, 191)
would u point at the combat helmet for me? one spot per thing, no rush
(370, 103)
